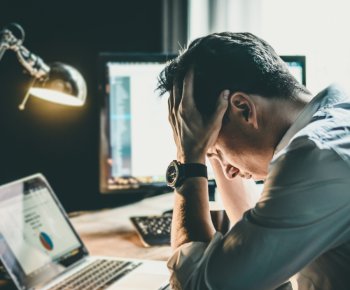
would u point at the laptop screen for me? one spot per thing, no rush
(37, 242)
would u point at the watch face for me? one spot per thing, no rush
(172, 174)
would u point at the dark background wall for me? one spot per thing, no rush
(62, 142)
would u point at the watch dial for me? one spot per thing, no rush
(172, 174)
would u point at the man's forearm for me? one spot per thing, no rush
(191, 216)
(238, 195)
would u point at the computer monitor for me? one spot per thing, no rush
(136, 142)
(297, 66)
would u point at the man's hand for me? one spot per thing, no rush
(193, 137)
(192, 134)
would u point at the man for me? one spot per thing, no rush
(233, 100)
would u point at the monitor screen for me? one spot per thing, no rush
(136, 142)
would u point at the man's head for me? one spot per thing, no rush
(259, 82)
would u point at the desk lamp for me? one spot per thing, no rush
(57, 82)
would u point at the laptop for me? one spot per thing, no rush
(40, 249)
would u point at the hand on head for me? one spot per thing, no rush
(193, 135)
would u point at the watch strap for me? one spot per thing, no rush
(194, 170)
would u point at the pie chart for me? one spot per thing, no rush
(46, 241)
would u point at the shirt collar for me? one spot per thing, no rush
(329, 96)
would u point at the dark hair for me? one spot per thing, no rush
(234, 61)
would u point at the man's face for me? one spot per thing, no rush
(240, 149)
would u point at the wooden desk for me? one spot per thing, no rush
(109, 232)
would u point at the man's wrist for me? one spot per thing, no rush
(189, 158)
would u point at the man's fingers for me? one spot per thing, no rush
(176, 98)
(222, 105)
(170, 109)
(171, 116)
(187, 90)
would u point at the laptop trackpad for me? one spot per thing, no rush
(151, 275)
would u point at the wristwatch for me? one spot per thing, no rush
(177, 172)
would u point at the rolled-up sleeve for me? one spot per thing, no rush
(301, 215)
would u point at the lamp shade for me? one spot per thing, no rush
(63, 85)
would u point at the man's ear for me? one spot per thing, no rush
(244, 107)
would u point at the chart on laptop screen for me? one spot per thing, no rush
(35, 229)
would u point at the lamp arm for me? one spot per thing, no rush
(6, 40)
(3, 48)
(31, 62)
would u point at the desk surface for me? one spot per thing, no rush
(109, 232)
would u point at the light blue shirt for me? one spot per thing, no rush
(301, 225)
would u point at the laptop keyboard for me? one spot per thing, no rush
(98, 275)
